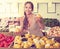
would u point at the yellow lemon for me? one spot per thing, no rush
(27, 35)
(38, 15)
(38, 45)
(56, 45)
(47, 46)
(17, 46)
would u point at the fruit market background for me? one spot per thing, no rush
(12, 10)
(47, 8)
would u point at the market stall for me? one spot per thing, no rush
(13, 39)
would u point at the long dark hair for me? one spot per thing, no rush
(25, 22)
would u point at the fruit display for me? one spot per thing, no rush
(54, 31)
(5, 40)
(49, 22)
(13, 28)
(27, 41)
(7, 21)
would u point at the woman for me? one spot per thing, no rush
(30, 21)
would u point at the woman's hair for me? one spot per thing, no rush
(25, 22)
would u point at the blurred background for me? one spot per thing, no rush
(46, 8)
(11, 10)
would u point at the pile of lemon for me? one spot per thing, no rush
(28, 40)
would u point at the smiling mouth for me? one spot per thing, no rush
(28, 12)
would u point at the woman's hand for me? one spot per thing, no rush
(40, 23)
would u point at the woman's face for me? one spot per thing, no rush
(28, 9)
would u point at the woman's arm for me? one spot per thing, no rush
(40, 22)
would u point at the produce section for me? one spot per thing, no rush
(35, 41)
(11, 37)
(29, 40)
(54, 31)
